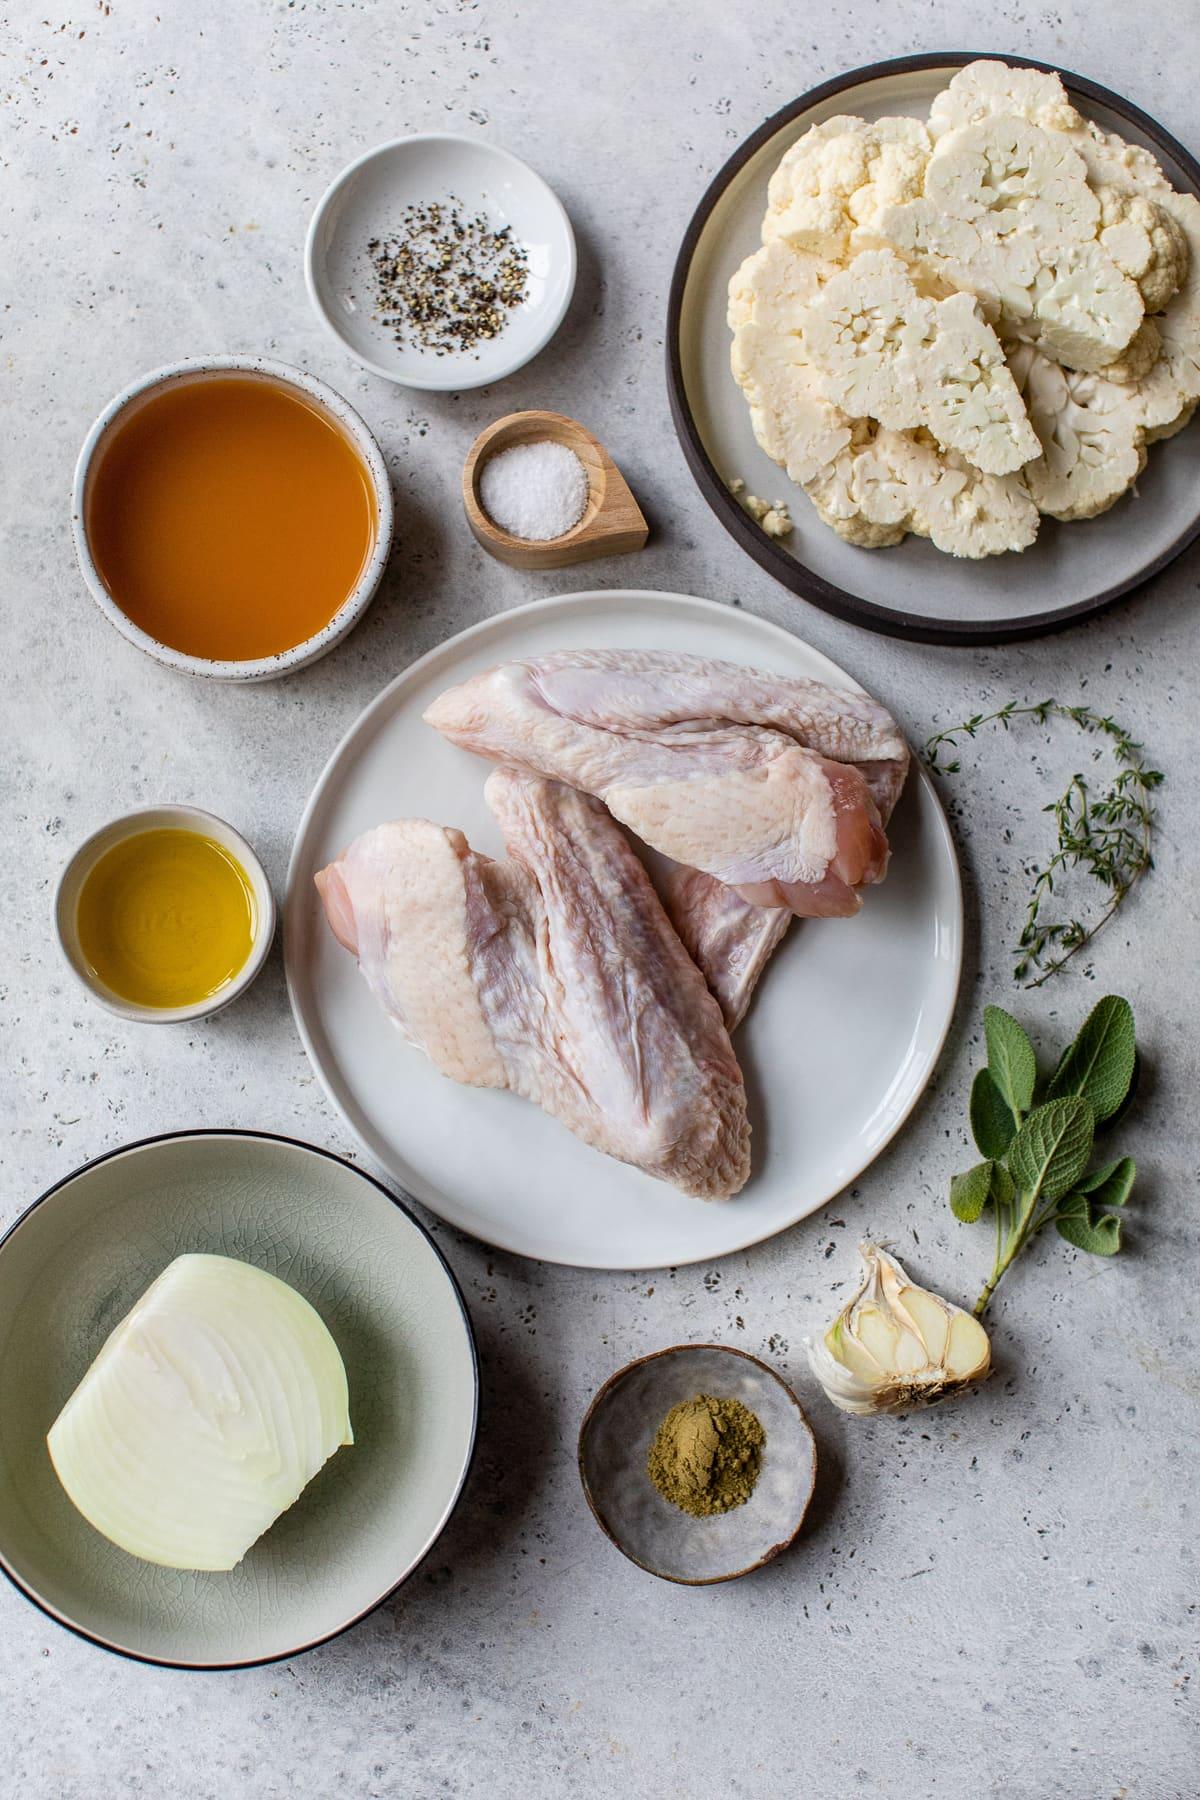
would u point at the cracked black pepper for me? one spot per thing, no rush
(444, 281)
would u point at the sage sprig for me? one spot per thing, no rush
(1036, 1152)
(1106, 834)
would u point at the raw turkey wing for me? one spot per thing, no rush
(749, 776)
(556, 974)
(730, 940)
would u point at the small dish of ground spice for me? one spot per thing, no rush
(440, 262)
(697, 1462)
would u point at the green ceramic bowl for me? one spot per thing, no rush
(71, 1268)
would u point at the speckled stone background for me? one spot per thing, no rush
(994, 1600)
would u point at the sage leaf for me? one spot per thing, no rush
(1099, 1064)
(1003, 1187)
(1101, 1237)
(969, 1193)
(1011, 1062)
(1052, 1148)
(992, 1123)
(1115, 1118)
(1109, 1185)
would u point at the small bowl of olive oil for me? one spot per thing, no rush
(165, 914)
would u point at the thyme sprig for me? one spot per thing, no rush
(1107, 835)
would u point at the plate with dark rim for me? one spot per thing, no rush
(73, 1265)
(910, 589)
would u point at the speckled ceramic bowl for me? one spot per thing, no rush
(71, 1268)
(200, 368)
(615, 1438)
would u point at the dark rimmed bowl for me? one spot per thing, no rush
(614, 1441)
(71, 1268)
(909, 590)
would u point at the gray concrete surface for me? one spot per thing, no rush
(994, 1600)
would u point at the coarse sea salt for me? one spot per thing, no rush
(534, 491)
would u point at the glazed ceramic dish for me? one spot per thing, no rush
(200, 368)
(875, 994)
(71, 1268)
(155, 818)
(615, 1439)
(367, 201)
(910, 589)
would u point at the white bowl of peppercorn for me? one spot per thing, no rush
(439, 261)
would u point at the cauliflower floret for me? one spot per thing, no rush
(838, 175)
(792, 420)
(1014, 177)
(1087, 311)
(984, 89)
(773, 516)
(1145, 241)
(886, 352)
(1168, 393)
(859, 531)
(1111, 162)
(774, 286)
(890, 482)
(1093, 444)
(853, 527)
(1007, 214)
(1174, 426)
(964, 512)
(860, 496)
(1138, 357)
(948, 256)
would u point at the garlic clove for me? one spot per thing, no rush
(895, 1345)
(878, 1336)
(930, 1319)
(968, 1354)
(846, 1350)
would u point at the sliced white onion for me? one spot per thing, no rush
(206, 1414)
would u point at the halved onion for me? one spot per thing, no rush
(206, 1414)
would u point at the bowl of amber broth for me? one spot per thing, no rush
(165, 915)
(232, 517)
(698, 1463)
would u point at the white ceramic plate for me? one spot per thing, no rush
(839, 1043)
(367, 201)
(910, 589)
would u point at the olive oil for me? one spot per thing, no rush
(166, 918)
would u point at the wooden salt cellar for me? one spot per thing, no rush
(612, 522)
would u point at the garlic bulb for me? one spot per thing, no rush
(896, 1345)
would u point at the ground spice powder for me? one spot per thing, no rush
(706, 1455)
